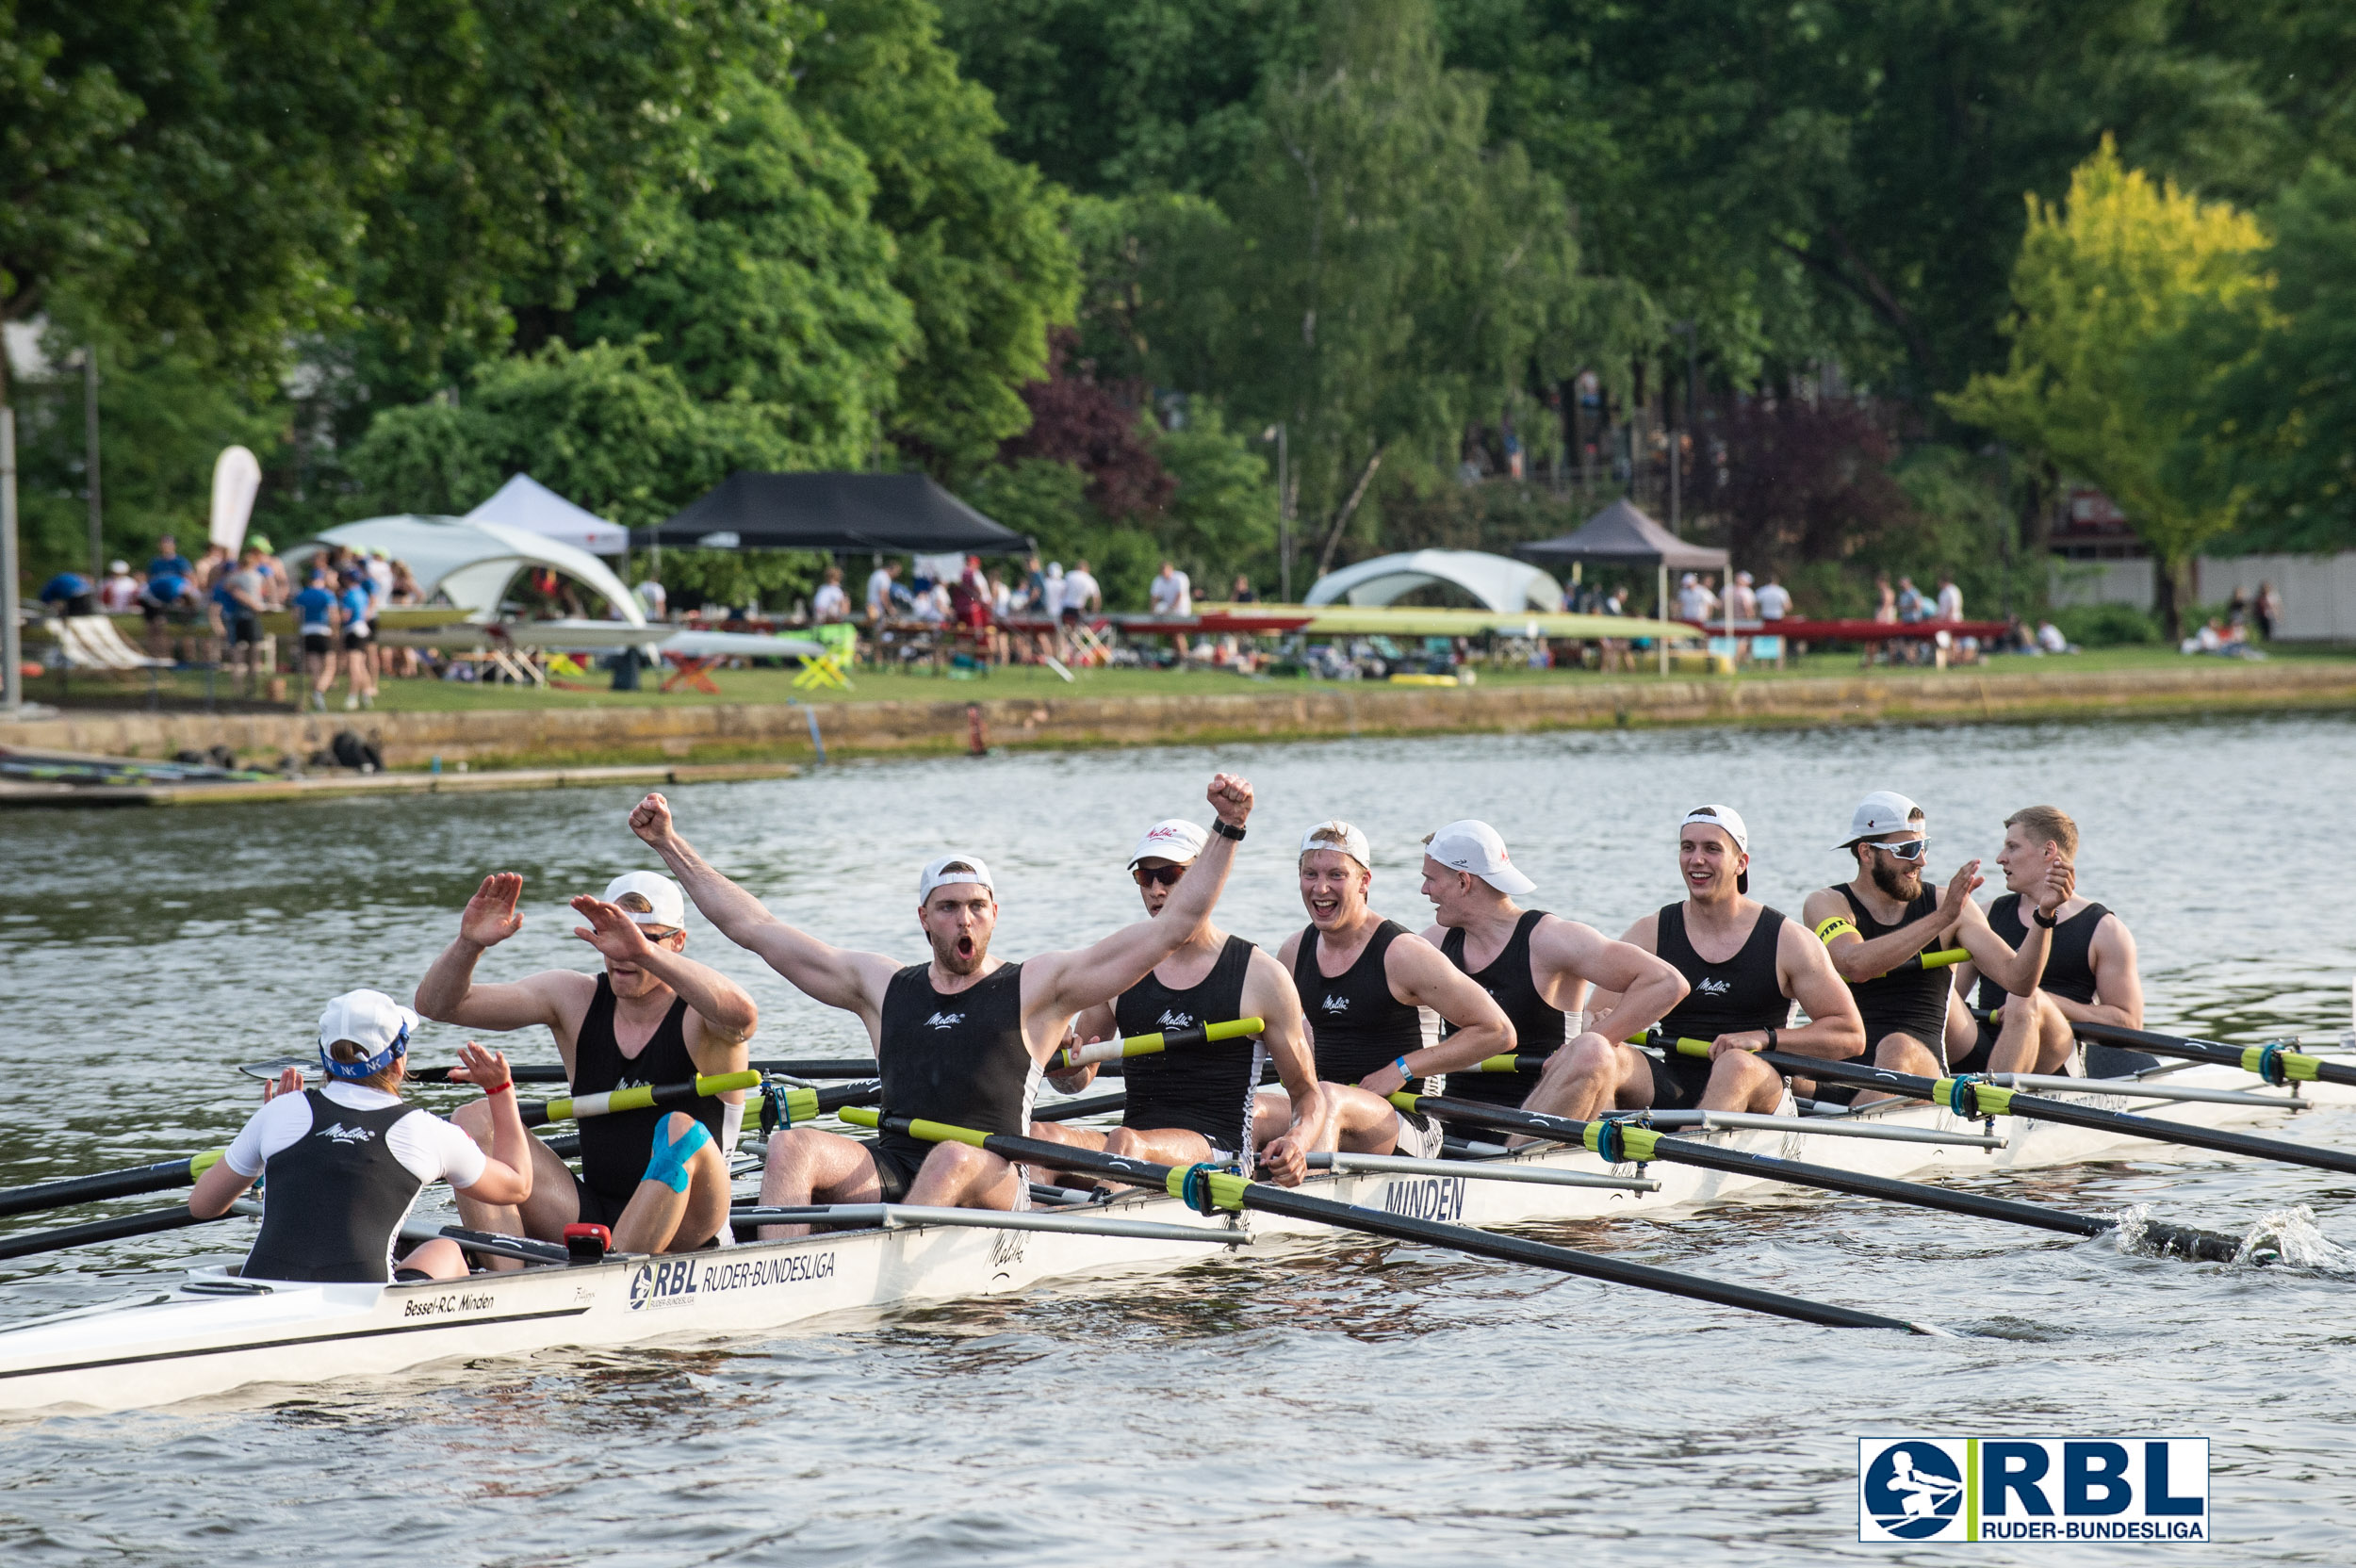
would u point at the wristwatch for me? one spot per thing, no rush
(2049, 922)
(1225, 829)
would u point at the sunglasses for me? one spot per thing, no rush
(1166, 875)
(1903, 849)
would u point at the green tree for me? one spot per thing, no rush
(1221, 518)
(2107, 284)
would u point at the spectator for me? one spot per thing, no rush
(405, 589)
(1912, 606)
(1695, 600)
(1885, 601)
(1051, 593)
(1950, 606)
(120, 594)
(2050, 638)
(652, 597)
(1243, 594)
(1081, 592)
(1000, 597)
(2267, 610)
(380, 576)
(316, 612)
(358, 601)
(830, 603)
(1035, 588)
(1775, 601)
(1172, 591)
(2237, 608)
(879, 594)
(240, 597)
(70, 594)
(1742, 603)
(169, 561)
(277, 584)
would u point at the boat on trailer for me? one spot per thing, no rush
(217, 1332)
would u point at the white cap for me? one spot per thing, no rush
(372, 1020)
(1175, 839)
(1729, 821)
(666, 906)
(1337, 834)
(953, 867)
(1475, 847)
(1883, 812)
(119, 567)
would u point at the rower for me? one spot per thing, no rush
(2089, 976)
(1538, 967)
(1875, 927)
(657, 1180)
(1365, 984)
(961, 1039)
(1195, 1103)
(347, 1160)
(1745, 965)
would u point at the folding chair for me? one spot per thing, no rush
(832, 667)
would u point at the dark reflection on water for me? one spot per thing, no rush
(1335, 1404)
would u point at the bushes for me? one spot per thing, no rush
(2106, 626)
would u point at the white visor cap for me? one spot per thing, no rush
(1475, 846)
(666, 906)
(1725, 817)
(369, 1019)
(1882, 813)
(1340, 835)
(1176, 839)
(953, 867)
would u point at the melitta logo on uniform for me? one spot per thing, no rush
(1337, 1004)
(1712, 988)
(1176, 1020)
(341, 1134)
(945, 1020)
(2146, 1490)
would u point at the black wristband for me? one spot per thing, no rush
(1225, 830)
(2049, 922)
(1771, 1039)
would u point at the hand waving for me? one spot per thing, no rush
(611, 932)
(487, 1070)
(491, 915)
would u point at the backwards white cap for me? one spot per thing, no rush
(1728, 820)
(1337, 834)
(372, 1020)
(666, 906)
(1475, 846)
(953, 867)
(1882, 812)
(1175, 839)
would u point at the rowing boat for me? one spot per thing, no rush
(216, 1331)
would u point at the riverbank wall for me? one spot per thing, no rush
(717, 733)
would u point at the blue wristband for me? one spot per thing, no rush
(1401, 1063)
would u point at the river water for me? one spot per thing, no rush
(1346, 1403)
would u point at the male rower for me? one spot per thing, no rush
(961, 1038)
(1745, 965)
(1191, 1104)
(348, 1159)
(1538, 967)
(658, 1180)
(2089, 976)
(1364, 983)
(1876, 927)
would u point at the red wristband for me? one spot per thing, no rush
(501, 1089)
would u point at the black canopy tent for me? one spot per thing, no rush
(1621, 535)
(900, 514)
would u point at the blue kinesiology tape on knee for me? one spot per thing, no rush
(669, 1164)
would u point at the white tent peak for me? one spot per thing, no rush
(525, 502)
(470, 562)
(1501, 584)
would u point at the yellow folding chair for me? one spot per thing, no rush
(832, 667)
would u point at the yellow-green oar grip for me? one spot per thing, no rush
(931, 1132)
(861, 1115)
(1234, 1029)
(727, 1083)
(1499, 1064)
(1688, 1046)
(2292, 1064)
(1404, 1100)
(1945, 957)
(1226, 1188)
(200, 1164)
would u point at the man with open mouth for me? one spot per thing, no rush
(961, 1038)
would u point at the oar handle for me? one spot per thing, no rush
(69, 1190)
(1945, 957)
(1146, 1045)
(638, 1097)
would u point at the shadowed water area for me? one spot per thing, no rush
(1341, 1402)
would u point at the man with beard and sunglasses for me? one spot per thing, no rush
(961, 1039)
(1191, 1104)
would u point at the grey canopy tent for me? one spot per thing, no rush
(901, 513)
(1621, 535)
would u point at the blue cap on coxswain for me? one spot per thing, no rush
(374, 1024)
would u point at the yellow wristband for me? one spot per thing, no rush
(1833, 927)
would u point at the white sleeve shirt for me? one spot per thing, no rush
(434, 1149)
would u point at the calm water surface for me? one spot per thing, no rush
(1337, 1404)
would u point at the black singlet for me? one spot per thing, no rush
(614, 1146)
(1359, 1026)
(1739, 994)
(1909, 1002)
(957, 1058)
(1538, 1025)
(334, 1198)
(1206, 1088)
(2068, 972)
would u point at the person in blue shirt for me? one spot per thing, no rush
(316, 615)
(71, 593)
(357, 600)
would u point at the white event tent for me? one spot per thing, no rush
(470, 563)
(1504, 585)
(525, 503)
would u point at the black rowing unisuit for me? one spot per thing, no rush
(1538, 1024)
(336, 1196)
(2069, 954)
(1728, 998)
(1206, 1088)
(955, 1057)
(614, 1146)
(1359, 1026)
(1909, 1002)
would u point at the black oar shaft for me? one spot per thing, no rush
(1462, 1238)
(69, 1190)
(2039, 1108)
(1072, 1110)
(146, 1222)
(2200, 1050)
(2180, 1241)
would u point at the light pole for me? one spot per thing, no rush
(1283, 512)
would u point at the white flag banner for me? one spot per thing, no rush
(236, 479)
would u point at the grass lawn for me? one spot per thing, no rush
(184, 689)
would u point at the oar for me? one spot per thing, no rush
(1945, 957)
(1619, 1142)
(1206, 1188)
(639, 1097)
(1146, 1045)
(2275, 1061)
(1072, 1110)
(69, 1190)
(553, 1073)
(1973, 1096)
(146, 1222)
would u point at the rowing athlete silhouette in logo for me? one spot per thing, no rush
(1913, 1491)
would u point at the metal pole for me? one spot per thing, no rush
(1676, 488)
(1663, 613)
(90, 433)
(12, 689)
(1284, 517)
